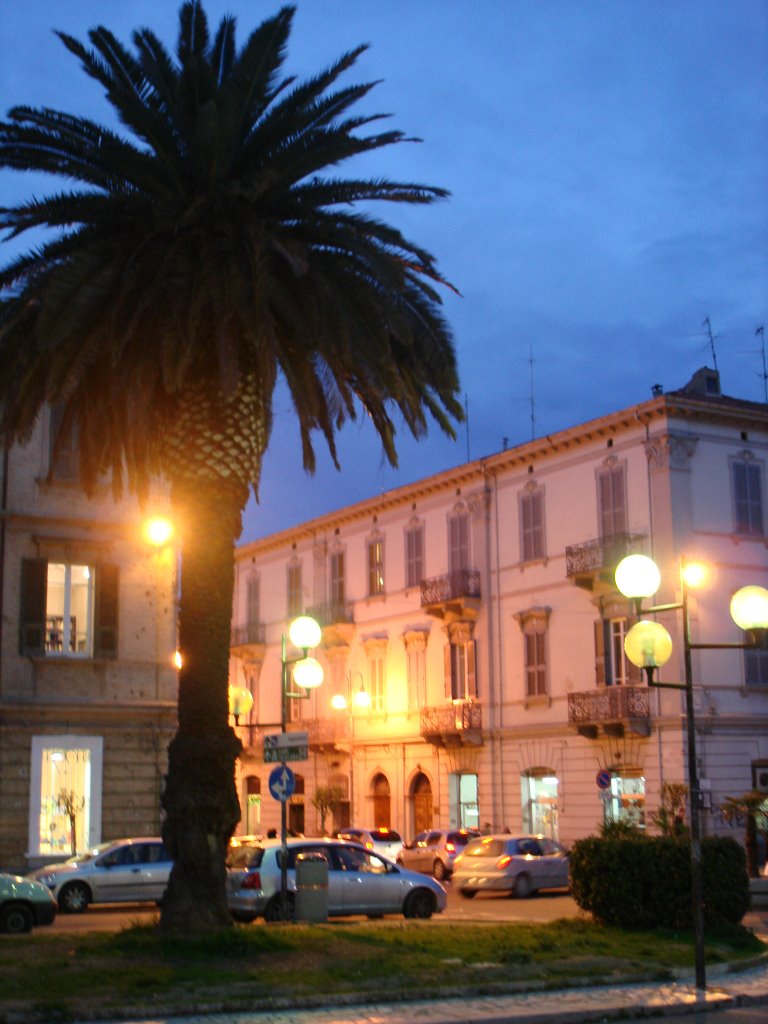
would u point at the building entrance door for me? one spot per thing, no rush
(422, 804)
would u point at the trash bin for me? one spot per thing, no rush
(311, 888)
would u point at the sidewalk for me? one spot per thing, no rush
(577, 1005)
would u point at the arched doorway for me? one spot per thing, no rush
(296, 807)
(252, 816)
(381, 801)
(421, 795)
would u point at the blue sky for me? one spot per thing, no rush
(608, 164)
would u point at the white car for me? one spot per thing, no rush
(24, 903)
(359, 881)
(519, 865)
(385, 841)
(121, 871)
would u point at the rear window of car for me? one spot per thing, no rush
(384, 835)
(460, 838)
(245, 857)
(485, 848)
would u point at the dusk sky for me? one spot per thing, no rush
(608, 164)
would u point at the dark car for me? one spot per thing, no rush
(518, 865)
(435, 850)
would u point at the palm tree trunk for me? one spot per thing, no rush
(200, 797)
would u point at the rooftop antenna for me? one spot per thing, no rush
(533, 407)
(711, 337)
(761, 332)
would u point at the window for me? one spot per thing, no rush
(612, 502)
(62, 463)
(375, 566)
(612, 666)
(376, 680)
(65, 774)
(337, 590)
(747, 498)
(253, 600)
(460, 659)
(532, 525)
(463, 806)
(68, 610)
(416, 667)
(534, 623)
(414, 555)
(625, 800)
(539, 792)
(295, 602)
(756, 667)
(458, 542)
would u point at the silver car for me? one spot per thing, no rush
(518, 865)
(385, 841)
(359, 882)
(435, 850)
(121, 871)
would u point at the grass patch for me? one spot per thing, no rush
(138, 969)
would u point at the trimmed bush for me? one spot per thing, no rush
(645, 881)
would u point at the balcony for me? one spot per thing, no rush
(324, 735)
(614, 709)
(593, 563)
(247, 642)
(337, 621)
(451, 725)
(453, 596)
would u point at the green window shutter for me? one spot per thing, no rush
(105, 612)
(471, 672)
(600, 651)
(448, 665)
(34, 586)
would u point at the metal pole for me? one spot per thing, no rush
(693, 783)
(283, 822)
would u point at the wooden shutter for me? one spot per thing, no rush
(634, 674)
(471, 672)
(105, 612)
(600, 646)
(34, 586)
(448, 663)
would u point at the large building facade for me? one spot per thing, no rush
(476, 610)
(87, 682)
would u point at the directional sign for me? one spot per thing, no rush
(282, 783)
(288, 746)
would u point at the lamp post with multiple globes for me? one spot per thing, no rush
(648, 645)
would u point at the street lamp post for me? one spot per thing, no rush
(361, 700)
(304, 633)
(649, 646)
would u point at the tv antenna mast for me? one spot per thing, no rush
(711, 337)
(533, 406)
(761, 332)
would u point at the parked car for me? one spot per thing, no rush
(24, 903)
(518, 865)
(381, 840)
(435, 850)
(359, 881)
(120, 871)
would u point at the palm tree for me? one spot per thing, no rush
(205, 252)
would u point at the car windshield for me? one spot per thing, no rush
(79, 858)
(486, 847)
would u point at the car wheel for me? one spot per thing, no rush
(468, 894)
(74, 898)
(523, 887)
(274, 911)
(15, 919)
(439, 870)
(420, 903)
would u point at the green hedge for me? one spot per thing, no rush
(645, 881)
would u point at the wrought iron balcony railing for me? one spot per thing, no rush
(609, 704)
(464, 583)
(448, 719)
(331, 614)
(604, 553)
(250, 633)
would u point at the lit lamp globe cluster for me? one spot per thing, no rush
(304, 633)
(648, 645)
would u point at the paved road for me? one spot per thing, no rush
(540, 908)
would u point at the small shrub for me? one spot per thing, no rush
(645, 881)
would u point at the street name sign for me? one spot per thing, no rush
(286, 746)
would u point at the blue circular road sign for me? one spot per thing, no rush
(603, 779)
(282, 783)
